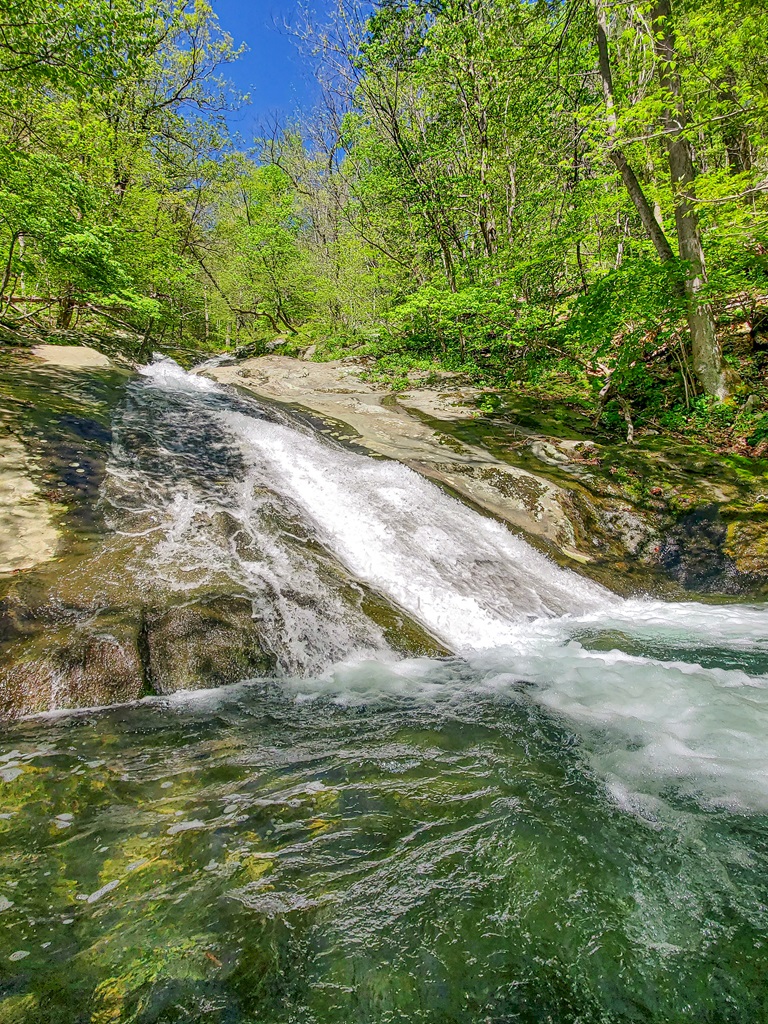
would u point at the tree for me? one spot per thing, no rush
(707, 356)
(108, 111)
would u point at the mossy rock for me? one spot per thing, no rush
(63, 658)
(747, 545)
(203, 644)
(81, 663)
(709, 555)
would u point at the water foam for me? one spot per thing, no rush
(201, 524)
(167, 374)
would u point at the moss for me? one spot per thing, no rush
(204, 644)
(401, 632)
(747, 544)
(19, 1009)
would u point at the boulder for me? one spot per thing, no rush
(206, 643)
(693, 551)
(85, 663)
(57, 657)
(747, 544)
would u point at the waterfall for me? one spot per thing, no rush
(466, 578)
(215, 485)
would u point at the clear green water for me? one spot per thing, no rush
(568, 825)
(252, 855)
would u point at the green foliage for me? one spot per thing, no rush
(625, 318)
(482, 171)
(101, 104)
(474, 322)
(759, 434)
(460, 205)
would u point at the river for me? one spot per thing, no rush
(563, 819)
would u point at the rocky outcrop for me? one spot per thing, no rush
(658, 516)
(96, 625)
(81, 631)
(57, 657)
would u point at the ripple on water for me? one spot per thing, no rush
(393, 858)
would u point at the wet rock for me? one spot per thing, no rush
(747, 544)
(81, 664)
(58, 658)
(622, 510)
(28, 534)
(203, 644)
(693, 552)
(403, 634)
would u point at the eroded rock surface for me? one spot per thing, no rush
(110, 620)
(75, 357)
(658, 516)
(386, 425)
(86, 630)
(207, 643)
(55, 656)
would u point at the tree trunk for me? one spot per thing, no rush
(66, 309)
(735, 134)
(8, 265)
(653, 229)
(707, 356)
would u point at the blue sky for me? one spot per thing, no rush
(272, 70)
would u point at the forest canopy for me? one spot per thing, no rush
(551, 194)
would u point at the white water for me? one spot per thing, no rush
(680, 697)
(201, 524)
(467, 578)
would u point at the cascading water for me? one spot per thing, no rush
(466, 578)
(178, 486)
(564, 821)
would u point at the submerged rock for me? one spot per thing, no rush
(61, 660)
(57, 657)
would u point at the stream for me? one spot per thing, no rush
(563, 819)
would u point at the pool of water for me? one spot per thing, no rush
(443, 851)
